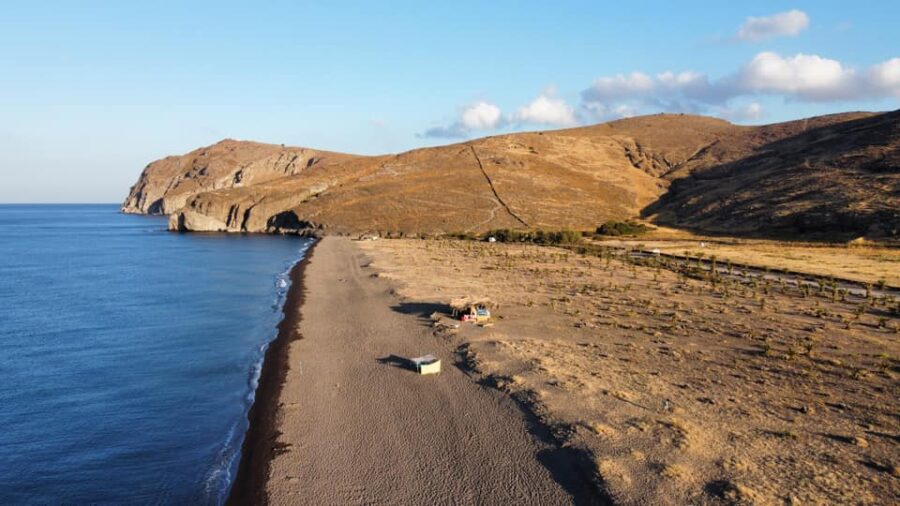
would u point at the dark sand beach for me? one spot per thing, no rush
(340, 419)
(260, 445)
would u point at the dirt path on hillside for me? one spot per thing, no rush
(357, 427)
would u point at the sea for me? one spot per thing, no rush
(129, 355)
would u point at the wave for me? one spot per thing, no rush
(220, 477)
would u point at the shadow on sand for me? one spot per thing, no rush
(398, 362)
(421, 309)
(571, 467)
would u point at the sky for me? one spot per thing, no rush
(90, 92)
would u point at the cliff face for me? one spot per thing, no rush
(165, 185)
(686, 171)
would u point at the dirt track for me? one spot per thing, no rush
(358, 427)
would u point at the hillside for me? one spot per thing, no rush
(836, 173)
(832, 180)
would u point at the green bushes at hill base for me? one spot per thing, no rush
(617, 228)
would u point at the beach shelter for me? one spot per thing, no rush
(474, 309)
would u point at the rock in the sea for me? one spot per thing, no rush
(188, 220)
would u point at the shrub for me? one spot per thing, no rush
(508, 235)
(540, 237)
(464, 236)
(557, 237)
(617, 228)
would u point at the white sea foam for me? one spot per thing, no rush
(219, 479)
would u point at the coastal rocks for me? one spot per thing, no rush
(256, 209)
(285, 222)
(288, 222)
(189, 220)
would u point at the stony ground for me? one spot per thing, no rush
(681, 388)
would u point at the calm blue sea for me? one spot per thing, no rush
(128, 354)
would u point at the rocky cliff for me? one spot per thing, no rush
(165, 185)
(836, 173)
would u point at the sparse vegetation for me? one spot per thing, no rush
(602, 337)
(545, 237)
(620, 228)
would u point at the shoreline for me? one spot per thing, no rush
(259, 447)
(356, 426)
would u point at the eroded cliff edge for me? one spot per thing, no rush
(835, 174)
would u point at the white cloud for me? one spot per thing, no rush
(599, 110)
(750, 112)
(808, 77)
(783, 24)
(885, 77)
(621, 86)
(803, 77)
(664, 87)
(625, 111)
(683, 79)
(546, 110)
(481, 116)
(478, 116)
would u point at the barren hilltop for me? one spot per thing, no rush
(835, 176)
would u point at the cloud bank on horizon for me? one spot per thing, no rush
(799, 77)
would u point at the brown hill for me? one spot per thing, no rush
(836, 173)
(829, 180)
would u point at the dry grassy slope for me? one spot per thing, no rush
(508, 181)
(566, 178)
(829, 179)
(523, 180)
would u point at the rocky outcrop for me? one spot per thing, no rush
(188, 219)
(165, 185)
(684, 171)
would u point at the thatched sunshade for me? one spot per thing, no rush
(466, 303)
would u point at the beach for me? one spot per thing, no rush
(353, 424)
(599, 381)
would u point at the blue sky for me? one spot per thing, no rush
(93, 91)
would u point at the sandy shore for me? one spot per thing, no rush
(260, 442)
(353, 425)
